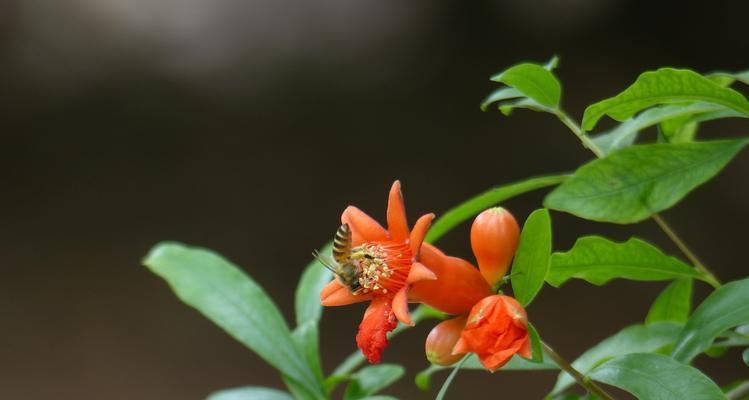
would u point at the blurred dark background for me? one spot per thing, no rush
(248, 126)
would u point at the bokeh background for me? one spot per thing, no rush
(248, 126)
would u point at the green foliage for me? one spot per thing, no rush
(531, 86)
(250, 393)
(307, 299)
(481, 202)
(370, 380)
(632, 339)
(537, 349)
(234, 302)
(599, 260)
(656, 377)
(634, 183)
(725, 308)
(664, 86)
(532, 257)
(673, 304)
(745, 356)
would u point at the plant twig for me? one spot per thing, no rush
(740, 392)
(589, 144)
(588, 384)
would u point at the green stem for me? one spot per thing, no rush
(740, 392)
(589, 144)
(588, 384)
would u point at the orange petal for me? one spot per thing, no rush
(378, 321)
(419, 272)
(335, 294)
(400, 306)
(419, 232)
(363, 227)
(461, 347)
(458, 287)
(442, 339)
(525, 349)
(397, 223)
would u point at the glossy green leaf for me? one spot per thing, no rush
(634, 183)
(307, 299)
(531, 261)
(684, 129)
(725, 308)
(632, 339)
(664, 86)
(503, 93)
(250, 393)
(625, 133)
(516, 363)
(537, 349)
(370, 380)
(673, 304)
(534, 81)
(306, 337)
(234, 302)
(507, 107)
(745, 356)
(656, 377)
(481, 202)
(599, 260)
(730, 77)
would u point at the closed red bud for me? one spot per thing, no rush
(494, 239)
(442, 339)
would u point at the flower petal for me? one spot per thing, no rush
(335, 294)
(396, 214)
(400, 306)
(363, 227)
(419, 232)
(525, 349)
(419, 272)
(378, 321)
(442, 339)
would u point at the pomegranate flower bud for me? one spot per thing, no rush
(494, 239)
(442, 339)
(497, 329)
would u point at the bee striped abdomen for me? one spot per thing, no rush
(342, 244)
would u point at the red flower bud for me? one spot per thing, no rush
(442, 339)
(494, 239)
(497, 329)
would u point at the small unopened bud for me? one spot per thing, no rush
(442, 339)
(494, 239)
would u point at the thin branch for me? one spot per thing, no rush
(740, 392)
(589, 385)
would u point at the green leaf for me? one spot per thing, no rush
(307, 299)
(481, 202)
(532, 257)
(234, 302)
(632, 339)
(423, 379)
(599, 260)
(370, 380)
(625, 133)
(684, 129)
(534, 81)
(634, 183)
(730, 77)
(250, 393)
(657, 377)
(664, 86)
(507, 107)
(537, 350)
(503, 93)
(745, 356)
(673, 304)
(306, 337)
(725, 308)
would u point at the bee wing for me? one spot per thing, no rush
(326, 262)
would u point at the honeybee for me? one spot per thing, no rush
(342, 264)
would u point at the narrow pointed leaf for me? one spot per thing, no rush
(481, 202)
(532, 257)
(234, 302)
(599, 260)
(372, 379)
(307, 300)
(537, 350)
(725, 308)
(664, 86)
(657, 377)
(503, 93)
(632, 339)
(250, 393)
(673, 304)
(634, 183)
(534, 81)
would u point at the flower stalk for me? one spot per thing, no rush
(588, 384)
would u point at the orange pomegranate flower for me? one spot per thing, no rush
(389, 268)
(497, 329)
